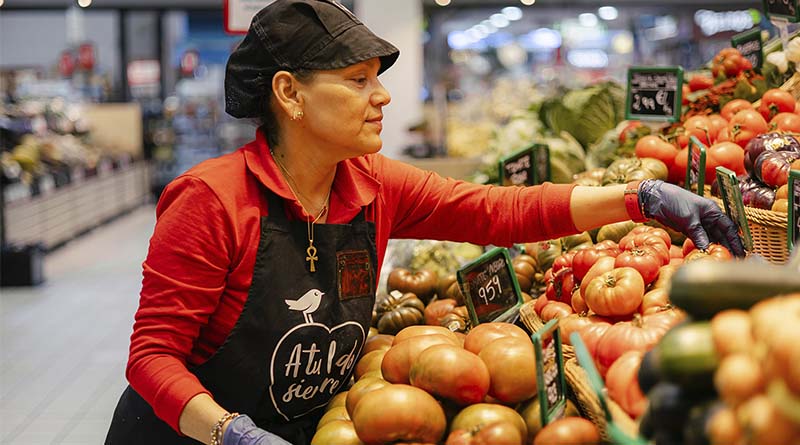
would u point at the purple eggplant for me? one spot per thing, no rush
(768, 142)
(755, 194)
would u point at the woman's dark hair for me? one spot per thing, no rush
(268, 124)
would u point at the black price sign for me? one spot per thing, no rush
(786, 9)
(734, 207)
(794, 209)
(490, 286)
(696, 166)
(530, 166)
(550, 372)
(750, 45)
(518, 169)
(654, 94)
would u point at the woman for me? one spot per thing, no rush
(260, 279)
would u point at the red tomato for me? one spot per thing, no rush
(639, 334)
(623, 383)
(584, 259)
(616, 293)
(564, 260)
(645, 261)
(746, 125)
(655, 147)
(633, 240)
(724, 135)
(734, 64)
(776, 101)
(652, 231)
(731, 108)
(682, 140)
(717, 124)
(554, 310)
(789, 122)
(685, 91)
(728, 155)
(699, 127)
(700, 82)
(677, 174)
(719, 252)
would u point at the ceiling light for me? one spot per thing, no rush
(499, 20)
(84, 3)
(588, 19)
(527, 2)
(442, 2)
(1, 3)
(489, 27)
(608, 13)
(512, 13)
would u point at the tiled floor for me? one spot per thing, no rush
(64, 344)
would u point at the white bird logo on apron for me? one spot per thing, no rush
(312, 362)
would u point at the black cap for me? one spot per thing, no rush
(297, 34)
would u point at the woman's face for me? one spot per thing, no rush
(343, 109)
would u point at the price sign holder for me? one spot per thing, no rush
(518, 168)
(793, 227)
(654, 93)
(782, 10)
(750, 45)
(550, 372)
(696, 166)
(596, 382)
(490, 287)
(732, 199)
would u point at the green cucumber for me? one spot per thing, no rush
(686, 356)
(704, 288)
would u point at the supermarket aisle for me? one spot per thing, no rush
(63, 345)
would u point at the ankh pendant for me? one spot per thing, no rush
(312, 256)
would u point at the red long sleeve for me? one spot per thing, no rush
(200, 263)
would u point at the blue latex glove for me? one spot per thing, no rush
(698, 218)
(242, 431)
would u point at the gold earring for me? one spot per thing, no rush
(298, 115)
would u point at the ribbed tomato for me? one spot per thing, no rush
(584, 259)
(638, 334)
(577, 323)
(397, 361)
(616, 293)
(644, 260)
(556, 310)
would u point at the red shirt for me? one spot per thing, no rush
(201, 257)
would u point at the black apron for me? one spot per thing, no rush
(296, 341)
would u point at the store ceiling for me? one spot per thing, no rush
(211, 4)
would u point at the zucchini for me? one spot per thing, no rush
(703, 288)
(686, 356)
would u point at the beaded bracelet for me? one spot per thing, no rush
(216, 431)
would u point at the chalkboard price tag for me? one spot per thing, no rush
(490, 286)
(518, 169)
(794, 210)
(654, 93)
(596, 382)
(785, 9)
(550, 372)
(732, 199)
(696, 171)
(750, 45)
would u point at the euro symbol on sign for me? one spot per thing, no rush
(661, 97)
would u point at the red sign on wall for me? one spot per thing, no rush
(66, 63)
(86, 57)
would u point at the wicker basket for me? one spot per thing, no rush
(590, 407)
(532, 321)
(768, 231)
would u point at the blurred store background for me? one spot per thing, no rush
(105, 101)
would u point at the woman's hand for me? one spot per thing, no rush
(699, 218)
(242, 431)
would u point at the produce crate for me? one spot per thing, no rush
(589, 406)
(768, 231)
(532, 321)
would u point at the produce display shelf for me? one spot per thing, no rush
(56, 217)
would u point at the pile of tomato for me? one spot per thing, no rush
(615, 295)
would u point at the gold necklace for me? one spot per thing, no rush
(311, 251)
